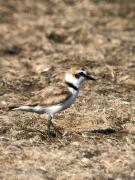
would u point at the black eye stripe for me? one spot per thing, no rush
(82, 74)
(78, 75)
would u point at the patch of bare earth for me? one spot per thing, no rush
(98, 130)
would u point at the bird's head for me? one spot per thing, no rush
(76, 76)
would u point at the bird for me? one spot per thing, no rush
(54, 99)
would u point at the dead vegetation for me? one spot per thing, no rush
(98, 131)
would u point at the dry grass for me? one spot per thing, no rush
(99, 129)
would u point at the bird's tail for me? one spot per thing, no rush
(36, 109)
(20, 107)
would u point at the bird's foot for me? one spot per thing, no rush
(53, 132)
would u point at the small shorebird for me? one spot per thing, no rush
(56, 98)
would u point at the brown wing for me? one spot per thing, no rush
(50, 96)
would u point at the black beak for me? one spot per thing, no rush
(90, 77)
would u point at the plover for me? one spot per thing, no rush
(54, 99)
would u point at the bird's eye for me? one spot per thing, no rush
(81, 74)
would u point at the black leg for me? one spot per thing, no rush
(49, 123)
(52, 131)
(51, 128)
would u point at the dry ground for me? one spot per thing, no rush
(98, 131)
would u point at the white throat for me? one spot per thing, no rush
(69, 78)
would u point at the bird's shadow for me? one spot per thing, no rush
(106, 131)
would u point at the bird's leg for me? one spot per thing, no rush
(51, 128)
(52, 131)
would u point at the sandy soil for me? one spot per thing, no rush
(98, 130)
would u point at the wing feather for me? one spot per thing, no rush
(50, 96)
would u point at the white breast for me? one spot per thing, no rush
(59, 107)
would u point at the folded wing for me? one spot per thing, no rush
(50, 96)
